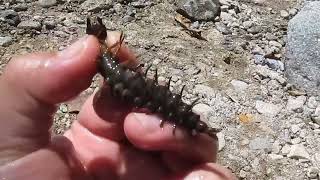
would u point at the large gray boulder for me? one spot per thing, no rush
(303, 49)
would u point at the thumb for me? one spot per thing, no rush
(55, 77)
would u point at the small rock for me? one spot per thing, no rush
(313, 173)
(247, 24)
(222, 28)
(259, 59)
(275, 44)
(96, 5)
(239, 85)
(296, 103)
(200, 9)
(30, 25)
(63, 108)
(204, 91)
(271, 37)
(226, 17)
(275, 156)
(257, 50)
(285, 149)
(274, 64)
(267, 109)
(47, 3)
(312, 102)
(20, 7)
(49, 24)
(260, 143)
(284, 14)
(298, 151)
(293, 12)
(221, 140)
(254, 30)
(295, 128)
(127, 18)
(10, 16)
(203, 110)
(5, 41)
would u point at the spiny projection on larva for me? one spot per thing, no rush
(134, 87)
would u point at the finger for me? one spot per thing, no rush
(144, 132)
(29, 88)
(206, 171)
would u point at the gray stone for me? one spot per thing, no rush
(29, 24)
(298, 151)
(260, 144)
(239, 85)
(296, 103)
(284, 14)
(10, 16)
(254, 29)
(20, 7)
(96, 5)
(222, 28)
(274, 64)
(221, 141)
(203, 110)
(5, 41)
(226, 17)
(47, 3)
(295, 128)
(259, 59)
(200, 9)
(275, 44)
(49, 24)
(313, 173)
(312, 102)
(275, 156)
(267, 109)
(247, 24)
(303, 59)
(204, 91)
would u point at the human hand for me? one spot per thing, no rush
(106, 142)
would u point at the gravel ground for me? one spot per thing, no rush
(270, 130)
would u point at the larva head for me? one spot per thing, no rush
(97, 28)
(201, 126)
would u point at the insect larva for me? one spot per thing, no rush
(135, 88)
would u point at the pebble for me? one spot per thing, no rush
(20, 7)
(295, 128)
(200, 9)
(312, 102)
(284, 14)
(274, 64)
(29, 24)
(49, 24)
(275, 156)
(226, 17)
(5, 41)
(285, 149)
(275, 44)
(221, 141)
(254, 29)
(203, 110)
(222, 28)
(267, 109)
(96, 5)
(47, 3)
(10, 16)
(204, 91)
(296, 103)
(239, 85)
(259, 59)
(313, 173)
(63, 108)
(260, 144)
(298, 151)
(247, 24)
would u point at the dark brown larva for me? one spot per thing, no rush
(134, 87)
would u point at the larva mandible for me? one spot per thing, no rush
(137, 89)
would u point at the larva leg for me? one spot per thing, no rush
(168, 84)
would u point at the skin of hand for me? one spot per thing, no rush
(107, 141)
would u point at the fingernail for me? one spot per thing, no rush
(148, 122)
(74, 50)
